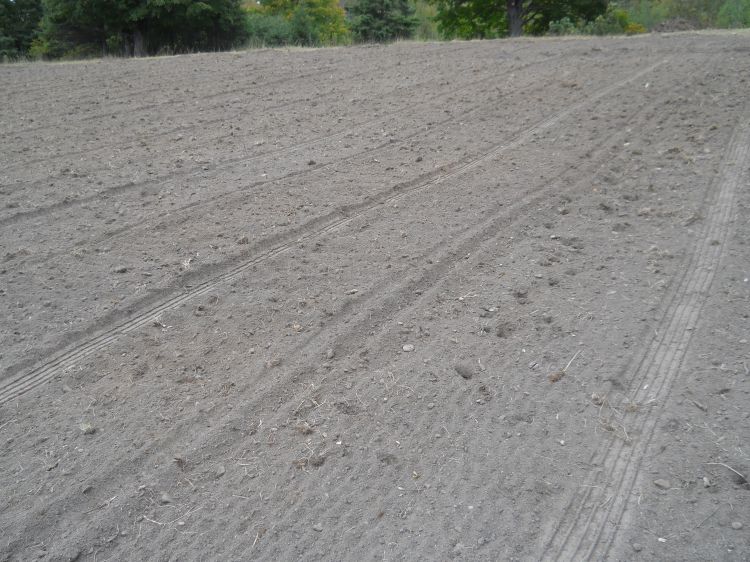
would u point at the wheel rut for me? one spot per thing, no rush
(146, 219)
(371, 307)
(21, 383)
(589, 526)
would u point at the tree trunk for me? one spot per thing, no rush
(515, 17)
(139, 44)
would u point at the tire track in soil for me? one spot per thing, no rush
(468, 239)
(385, 311)
(341, 509)
(15, 386)
(13, 370)
(594, 514)
(385, 314)
(229, 163)
(175, 212)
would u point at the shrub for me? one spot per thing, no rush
(313, 22)
(614, 21)
(734, 13)
(427, 29)
(634, 29)
(563, 27)
(268, 30)
(648, 13)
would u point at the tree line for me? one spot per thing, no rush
(81, 28)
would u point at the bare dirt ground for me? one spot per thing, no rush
(479, 301)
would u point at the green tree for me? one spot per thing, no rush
(77, 27)
(469, 19)
(539, 13)
(184, 25)
(498, 18)
(19, 21)
(383, 20)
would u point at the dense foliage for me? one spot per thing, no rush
(382, 20)
(297, 22)
(468, 19)
(734, 13)
(612, 22)
(499, 18)
(79, 28)
(697, 13)
(19, 20)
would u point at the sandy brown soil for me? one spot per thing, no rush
(477, 301)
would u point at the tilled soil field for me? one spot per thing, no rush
(478, 301)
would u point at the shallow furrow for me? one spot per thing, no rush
(497, 221)
(229, 164)
(17, 385)
(295, 74)
(592, 529)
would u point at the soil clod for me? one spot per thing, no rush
(465, 370)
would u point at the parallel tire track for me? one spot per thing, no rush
(145, 218)
(594, 515)
(377, 196)
(24, 382)
(361, 310)
(383, 315)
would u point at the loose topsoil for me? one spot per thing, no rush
(476, 301)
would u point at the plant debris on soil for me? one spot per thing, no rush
(308, 304)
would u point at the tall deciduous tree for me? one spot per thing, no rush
(498, 18)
